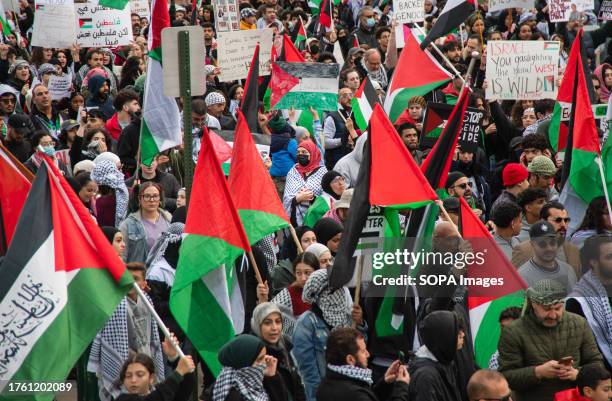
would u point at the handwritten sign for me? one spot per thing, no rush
(559, 10)
(60, 33)
(235, 52)
(226, 15)
(496, 5)
(605, 12)
(436, 117)
(407, 11)
(140, 7)
(99, 26)
(59, 86)
(522, 69)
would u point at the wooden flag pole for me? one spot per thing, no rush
(298, 245)
(358, 284)
(255, 268)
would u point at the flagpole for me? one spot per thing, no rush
(358, 284)
(255, 268)
(447, 217)
(295, 239)
(468, 75)
(450, 65)
(160, 323)
(605, 188)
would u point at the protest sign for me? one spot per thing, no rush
(605, 12)
(235, 51)
(140, 7)
(99, 26)
(406, 11)
(227, 17)
(54, 24)
(434, 122)
(559, 10)
(522, 69)
(10, 5)
(399, 35)
(583, 5)
(497, 5)
(59, 86)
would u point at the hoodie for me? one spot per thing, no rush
(94, 100)
(348, 166)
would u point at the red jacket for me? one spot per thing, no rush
(571, 394)
(404, 118)
(113, 127)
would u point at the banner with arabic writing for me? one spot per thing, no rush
(99, 26)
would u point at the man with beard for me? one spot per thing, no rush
(19, 127)
(127, 106)
(410, 136)
(44, 116)
(553, 212)
(348, 376)
(452, 51)
(339, 131)
(473, 166)
(544, 264)
(99, 96)
(8, 101)
(540, 353)
(592, 295)
(458, 185)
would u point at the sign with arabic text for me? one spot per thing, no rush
(99, 26)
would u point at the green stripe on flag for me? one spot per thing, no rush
(555, 125)
(316, 211)
(258, 224)
(148, 146)
(584, 176)
(401, 96)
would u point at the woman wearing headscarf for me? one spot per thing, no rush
(604, 76)
(330, 309)
(249, 373)
(282, 273)
(333, 185)
(303, 182)
(267, 323)
(329, 233)
(430, 9)
(322, 253)
(161, 266)
(290, 298)
(112, 204)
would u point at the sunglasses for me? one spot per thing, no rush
(464, 185)
(558, 220)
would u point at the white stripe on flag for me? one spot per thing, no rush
(574, 205)
(316, 85)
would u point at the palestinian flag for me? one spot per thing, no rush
(363, 103)
(326, 14)
(250, 99)
(6, 27)
(161, 127)
(14, 187)
(300, 40)
(288, 53)
(385, 160)
(300, 85)
(322, 204)
(117, 4)
(455, 12)
(416, 74)
(486, 304)
(61, 281)
(315, 6)
(433, 123)
(85, 23)
(252, 189)
(581, 179)
(355, 41)
(206, 300)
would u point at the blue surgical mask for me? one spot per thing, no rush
(370, 22)
(49, 150)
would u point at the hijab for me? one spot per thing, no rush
(333, 304)
(326, 229)
(326, 181)
(315, 158)
(604, 90)
(109, 233)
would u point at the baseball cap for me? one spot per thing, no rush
(541, 229)
(20, 123)
(68, 125)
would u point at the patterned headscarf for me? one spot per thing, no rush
(315, 158)
(333, 304)
(172, 235)
(107, 173)
(248, 381)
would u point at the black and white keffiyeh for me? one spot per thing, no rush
(333, 304)
(247, 381)
(106, 173)
(283, 300)
(379, 75)
(354, 372)
(172, 235)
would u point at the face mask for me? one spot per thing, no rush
(303, 160)
(314, 49)
(370, 22)
(49, 150)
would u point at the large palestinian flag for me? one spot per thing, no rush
(61, 281)
(300, 85)
(455, 12)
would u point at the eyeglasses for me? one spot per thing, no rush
(464, 185)
(150, 197)
(504, 398)
(558, 220)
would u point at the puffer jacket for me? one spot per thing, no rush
(526, 343)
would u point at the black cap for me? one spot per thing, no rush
(541, 229)
(20, 123)
(453, 177)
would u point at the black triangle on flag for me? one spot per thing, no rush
(250, 99)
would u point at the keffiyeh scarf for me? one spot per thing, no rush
(354, 372)
(248, 381)
(107, 173)
(379, 75)
(172, 235)
(333, 304)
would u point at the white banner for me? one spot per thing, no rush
(605, 11)
(558, 10)
(59, 86)
(227, 16)
(140, 7)
(496, 5)
(406, 11)
(522, 69)
(99, 26)
(235, 52)
(54, 24)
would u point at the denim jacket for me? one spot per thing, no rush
(309, 340)
(135, 236)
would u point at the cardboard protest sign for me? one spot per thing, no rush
(301, 85)
(559, 10)
(434, 122)
(140, 7)
(54, 23)
(59, 86)
(605, 12)
(497, 5)
(406, 11)
(227, 17)
(235, 52)
(522, 69)
(99, 26)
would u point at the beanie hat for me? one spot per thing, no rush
(214, 98)
(241, 351)
(247, 12)
(420, 100)
(260, 313)
(514, 173)
(542, 165)
(46, 68)
(547, 292)
(452, 178)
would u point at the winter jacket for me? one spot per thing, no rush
(283, 152)
(282, 276)
(287, 370)
(127, 146)
(526, 343)
(336, 386)
(105, 105)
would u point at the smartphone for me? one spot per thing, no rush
(401, 357)
(567, 361)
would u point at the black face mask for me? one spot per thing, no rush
(314, 49)
(303, 160)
